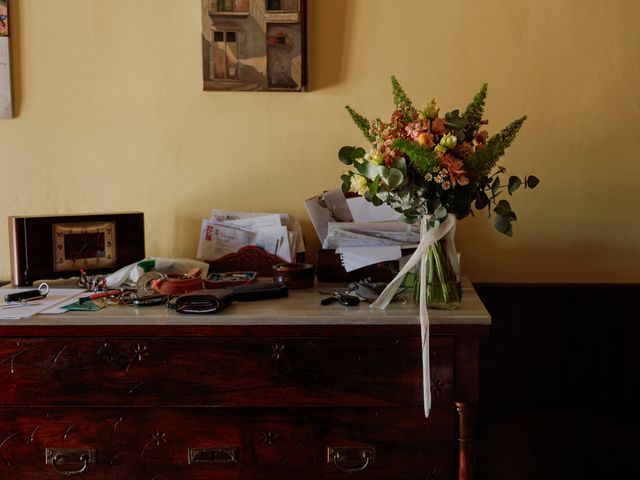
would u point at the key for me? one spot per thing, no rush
(347, 300)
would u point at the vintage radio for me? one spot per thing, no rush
(59, 246)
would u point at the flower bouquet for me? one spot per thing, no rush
(432, 169)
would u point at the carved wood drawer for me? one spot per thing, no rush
(222, 371)
(251, 443)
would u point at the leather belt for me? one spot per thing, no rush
(175, 284)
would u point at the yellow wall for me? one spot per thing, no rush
(111, 116)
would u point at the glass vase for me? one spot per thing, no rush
(443, 287)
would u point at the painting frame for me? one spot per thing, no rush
(4, 18)
(254, 45)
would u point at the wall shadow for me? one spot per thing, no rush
(326, 42)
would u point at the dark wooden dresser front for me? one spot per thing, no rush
(280, 389)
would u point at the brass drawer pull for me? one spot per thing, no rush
(351, 459)
(57, 457)
(214, 455)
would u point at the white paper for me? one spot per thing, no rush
(282, 247)
(219, 239)
(55, 297)
(321, 216)
(363, 234)
(357, 257)
(364, 211)
(255, 220)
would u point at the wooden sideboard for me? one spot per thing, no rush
(277, 389)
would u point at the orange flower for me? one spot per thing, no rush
(437, 126)
(455, 169)
(426, 139)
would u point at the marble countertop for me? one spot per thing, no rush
(301, 307)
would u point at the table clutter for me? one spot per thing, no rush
(361, 233)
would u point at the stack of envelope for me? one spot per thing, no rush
(362, 233)
(226, 232)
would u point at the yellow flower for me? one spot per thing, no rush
(430, 111)
(358, 184)
(374, 157)
(447, 142)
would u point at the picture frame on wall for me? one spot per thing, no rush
(4, 18)
(254, 45)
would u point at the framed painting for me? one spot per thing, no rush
(4, 18)
(254, 45)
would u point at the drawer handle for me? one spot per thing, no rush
(56, 457)
(214, 455)
(350, 459)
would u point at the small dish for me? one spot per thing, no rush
(230, 279)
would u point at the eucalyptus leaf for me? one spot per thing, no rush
(532, 181)
(358, 153)
(514, 184)
(346, 182)
(345, 154)
(453, 120)
(503, 208)
(503, 225)
(368, 169)
(395, 178)
(401, 164)
(482, 201)
(495, 186)
(440, 212)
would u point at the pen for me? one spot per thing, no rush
(95, 296)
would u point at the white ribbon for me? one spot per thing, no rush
(427, 238)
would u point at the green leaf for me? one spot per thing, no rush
(421, 157)
(395, 178)
(440, 212)
(514, 184)
(503, 208)
(401, 164)
(503, 225)
(362, 123)
(400, 98)
(495, 187)
(346, 182)
(532, 181)
(345, 154)
(473, 113)
(482, 161)
(453, 120)
(376, 201)
(373, 188)
(482, 201)
(408, 219)
(368, 169)
(358, 153)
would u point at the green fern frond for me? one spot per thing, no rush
(473, 113)
(400, 98)
(483, 160)
(362, 123)
(422, 158)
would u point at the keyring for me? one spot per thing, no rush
(43, 289)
